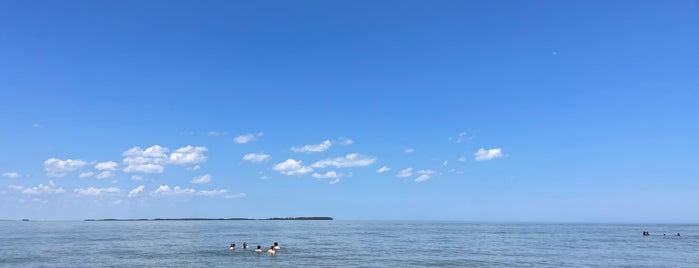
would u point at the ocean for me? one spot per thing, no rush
(344, 244)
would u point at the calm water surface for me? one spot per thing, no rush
(344, 243)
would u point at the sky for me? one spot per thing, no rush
(514, 111)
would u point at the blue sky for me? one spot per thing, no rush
(447, 110)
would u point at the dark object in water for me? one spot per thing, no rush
(25, 219)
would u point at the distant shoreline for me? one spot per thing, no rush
(223, 219)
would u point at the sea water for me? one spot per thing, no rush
(344, 243)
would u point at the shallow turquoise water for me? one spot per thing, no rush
(344, 243)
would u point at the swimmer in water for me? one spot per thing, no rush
(232, 246)
(678, 234)
(271, 250)
(276, 246)
(245, 245)
(258, 249)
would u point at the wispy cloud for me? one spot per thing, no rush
(37, 125)
(315, 148)
(409, 150)
(136, 178)
(197, 167)
(350, 160)
(462, 137)
(86, 174)
(39, 189)
(383, 169)
(245, 138)
(483, 154)
(405, 173)
(201, 179)
(58, 168)
(11, 175)
(165, 190)
(424, 175)
(292, 167)
(217, 133)
(105, 175)
(136, 191)
(344, 141)
(97, 191)
(109, 165)
(256, 157)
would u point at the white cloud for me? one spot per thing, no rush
(350, 160)
(256, 158)
(105, 175)
(97, 191)
(86, 174)
(135, 191)
(425, 174)
(150, 160)
(11, 175)
(144, 168)
(327, 175)
(409, 150)
(153, 159)
(345, 141)
(462, 158)
(405, 173)
(136, 178)
(263, 177)
(334, 181)
(315, 148)
(483, 154)
(37, 125)
(383, 169)
(445, 163)
(245, 138)
(39, 189)
(111, 165)
(166, 190)
(188, 155)
(292, 167)
(201, 179)
(58, 168)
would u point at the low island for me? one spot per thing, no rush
(223, 219)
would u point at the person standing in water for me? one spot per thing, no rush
(276, 246)
(258, 249)
(245, 245)
(271, 250)
(232, 246)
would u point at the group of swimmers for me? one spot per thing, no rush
(271, 251)
(646, 233)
